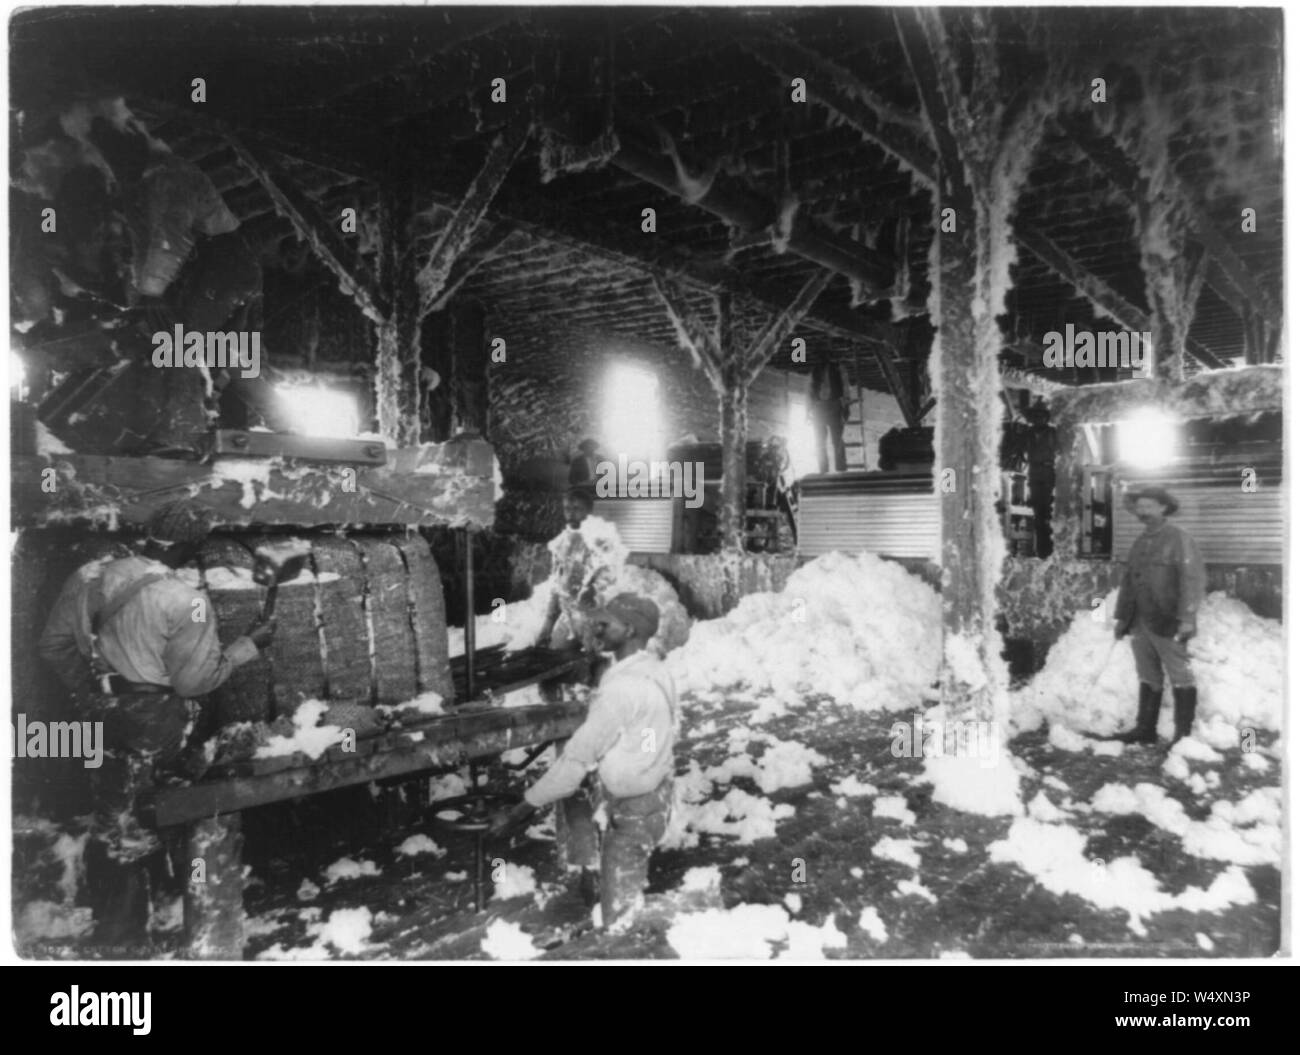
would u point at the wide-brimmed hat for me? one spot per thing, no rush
(1158, 493)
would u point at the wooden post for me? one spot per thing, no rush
(214, 895)
(1165, 282)
(971, 144)
(731, 370)
(456, 236)
(471, 627)
(733, 414)
(1254, 338)
(397, 373)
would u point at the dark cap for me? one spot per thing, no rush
(640, 613)
(183, 521)
(1158, 493)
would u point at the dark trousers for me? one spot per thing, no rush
(145, 737)
(1042, 529)
(634, 827)
(828, 418)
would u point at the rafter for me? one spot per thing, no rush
(916, 32)
(319, 233)
(1230, 278)
(742, 208)
(480, 251)
(287, 144)
(1101, 294)
(701, 340)
(840, 92)
(782, 325)
(455, 236)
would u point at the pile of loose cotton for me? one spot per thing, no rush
(859, 629)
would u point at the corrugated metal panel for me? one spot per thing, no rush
(839, 513)
(644, 524)
(1229, 526)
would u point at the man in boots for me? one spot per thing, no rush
(1164, 582)
(135, 645)
(627, 739)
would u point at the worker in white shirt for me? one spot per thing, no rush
(628, 740)
(135, 645)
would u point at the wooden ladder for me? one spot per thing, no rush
(860, 444)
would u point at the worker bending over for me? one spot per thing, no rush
(135, 645)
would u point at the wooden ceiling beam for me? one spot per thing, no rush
(1230, 278)
(915, 32)
(783, 324)
(479, 251)
(703, 341)
(748, 211)
(353, 275)
(455, 236)
(1101, 294)
(840, 91)
(287, 144)
(543, 219)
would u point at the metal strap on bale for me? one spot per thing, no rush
(395, 654)
(424, 586)
(297, 665)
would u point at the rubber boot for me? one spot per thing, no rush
(589, 887)
(1184, 712)
(1144, 732)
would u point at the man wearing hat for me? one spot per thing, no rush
(135, 644)
(1164, 582)
(628, 739)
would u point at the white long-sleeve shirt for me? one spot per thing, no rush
(165, 635)
(628, 735)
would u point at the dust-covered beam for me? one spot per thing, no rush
(783, 324)
(1101, 294)
(747, 211)
(697, 337)
(480, 251)
(917, 31)
(430, 485)
(299, 210)
(840, 92)
(455, 236)
(1230, 278)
